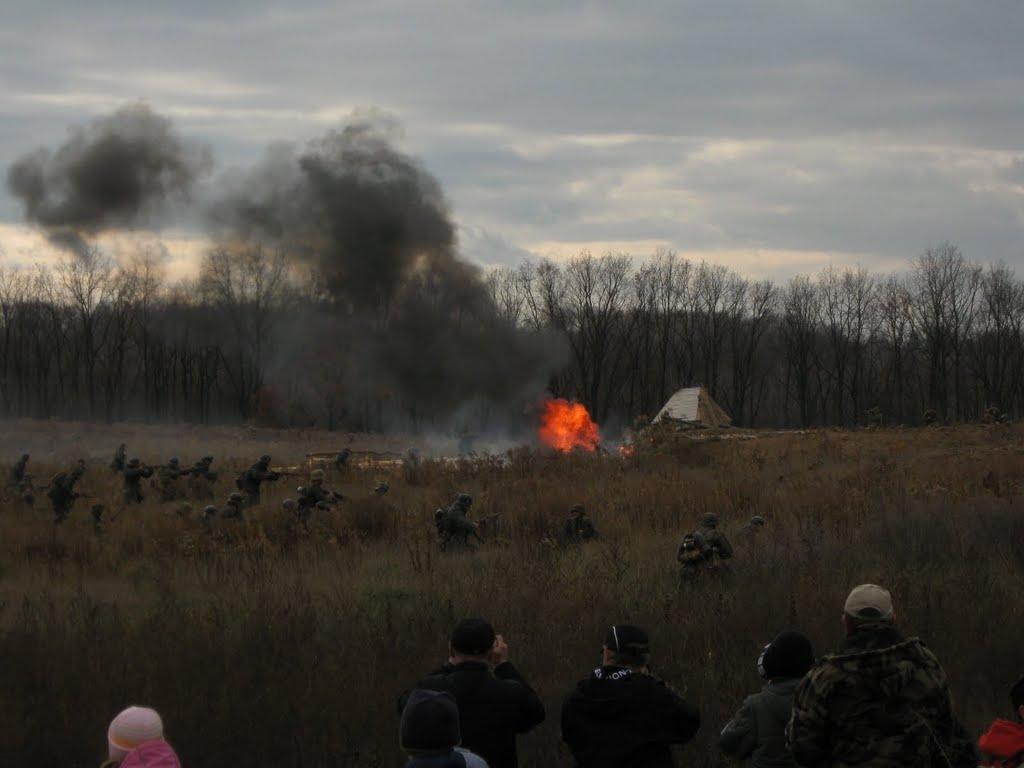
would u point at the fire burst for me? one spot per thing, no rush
(567, 426)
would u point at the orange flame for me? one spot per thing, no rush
(567, 426)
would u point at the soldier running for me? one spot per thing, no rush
(119, 462)
(201, 479)
(167, 477)
(134, 473)
(249, 481)
(703, 549)
(315, 494)
(579, 528)
(453, 524)
(62, 492)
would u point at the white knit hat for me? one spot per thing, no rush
(134, 726)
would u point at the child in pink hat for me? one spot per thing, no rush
(136, 740)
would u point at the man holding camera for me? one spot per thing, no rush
(495, 702)
(622, 716)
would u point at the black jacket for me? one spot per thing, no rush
(493, 707)
(616, 718)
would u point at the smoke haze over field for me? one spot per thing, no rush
(394, 306)
(121, 171)
(376, 230)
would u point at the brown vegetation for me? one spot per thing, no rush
(266, 646)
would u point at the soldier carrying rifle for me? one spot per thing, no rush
(62, 492)
(249, 481)
(134, 472)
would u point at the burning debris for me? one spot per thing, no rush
(121, 171)
(567, 426)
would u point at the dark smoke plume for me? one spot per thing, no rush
(118, 172)
(376, 229)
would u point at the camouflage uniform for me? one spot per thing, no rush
(882, 701)
(453, 524)
(120, 460)
(167, 476)
(201, 479)
(134, 473)
(17, 475)
(315, 495)
(233, 508)
(703, 549)
(579, 527)
(62, 493)
(249, 481)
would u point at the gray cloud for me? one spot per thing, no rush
(872, 128)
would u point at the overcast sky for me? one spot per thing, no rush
(774, 137)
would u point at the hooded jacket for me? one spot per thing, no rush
(758, 730)
(1002, 744)
(882, 701)
(152, 754)
(493, 707)
(617, 718)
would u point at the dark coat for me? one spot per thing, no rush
(493, 707)
(758, 730)
(617, 718)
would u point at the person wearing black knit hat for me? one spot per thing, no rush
(621, 714)
(758, 731)
(430, 734)
(495, 703)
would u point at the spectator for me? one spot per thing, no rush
(881, 700)
(495, 702)
(430, 733)
(1002, 745)
(622, 716)
(135, 739)
(758, 731)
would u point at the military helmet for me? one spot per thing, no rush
(173, 462)
(464, 500)
(710, 520)
(24, 457)
(207, 459)
(236, 497)
(577, 509)
(301, 490)
(316, 474)
(757, 520)
(288, 505)
(133, 462)
(264, 459)
(210, 511)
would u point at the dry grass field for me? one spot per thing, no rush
(264, 645)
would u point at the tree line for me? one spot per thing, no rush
(252, 339)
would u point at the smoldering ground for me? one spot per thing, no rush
(122, 171)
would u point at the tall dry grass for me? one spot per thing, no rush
(266, 646)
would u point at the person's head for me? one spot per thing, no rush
(626, 645)
(317, 477)
(577, 511)
(134, 463)
(206, 460)
(131, 729)
(430, 724)
(210, 511)
(24, 457)
(235, 499)
(288, 505)
(471, 640)
(757, 521)
(464, 501)
(265, 460)
(710, 520)
(173, 462)
(790, 655)
(868, 604)
(1017, 697)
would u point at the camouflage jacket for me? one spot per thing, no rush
(882, 701)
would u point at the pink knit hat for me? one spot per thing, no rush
(134, 726)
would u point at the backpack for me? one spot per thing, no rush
(692, 549)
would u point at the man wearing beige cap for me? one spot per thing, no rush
(882, 700)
